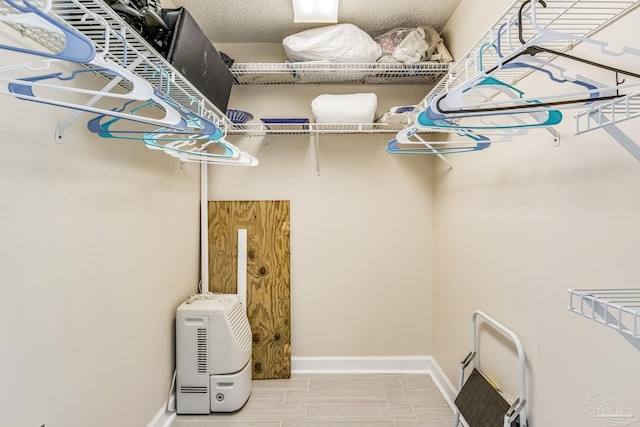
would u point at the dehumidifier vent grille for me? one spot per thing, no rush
(193, 390)
(202, 351)
(240, 327)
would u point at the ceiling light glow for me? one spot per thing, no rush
(315, 11)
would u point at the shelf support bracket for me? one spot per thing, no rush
(623, 139)
(75, 116)
(556, 136)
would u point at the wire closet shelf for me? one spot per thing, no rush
(618, 309)
(582, 18)
(130, 49)
(289, 73)
(318, 73)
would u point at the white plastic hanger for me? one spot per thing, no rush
(78, 48)
(453, 98)
(142, 90)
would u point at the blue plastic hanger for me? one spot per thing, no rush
(198, 153)
(192, 146)
(25, 86)
(394, 148)
(530, 47)
(78, 48)
(190, 125)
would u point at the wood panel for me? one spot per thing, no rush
(268, 275)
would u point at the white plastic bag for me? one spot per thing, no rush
(343, 43)
(408, 45)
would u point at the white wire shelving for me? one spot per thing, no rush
(261, 129)
(292, 73)
(582, 18)
(130, 49)
(316, 73)
(618, 309)
(610, 113)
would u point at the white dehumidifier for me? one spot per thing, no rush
(213, 355)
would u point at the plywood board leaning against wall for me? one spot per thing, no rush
(268, 275)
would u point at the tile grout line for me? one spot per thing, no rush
(306, 406)
(414, 411)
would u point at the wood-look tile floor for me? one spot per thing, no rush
(339, 400)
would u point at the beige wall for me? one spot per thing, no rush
(99, 246)
(361, 232)
(519, 224)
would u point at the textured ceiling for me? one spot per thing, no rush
(244, 21)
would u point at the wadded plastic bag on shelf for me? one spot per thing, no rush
(408, 45)
(344, 43)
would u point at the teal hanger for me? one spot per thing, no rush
(531, 47)
(191, 146)
(547, 117)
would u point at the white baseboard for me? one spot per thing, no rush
(164, 418)
(444, 384)
(381, 365)
(360, 365)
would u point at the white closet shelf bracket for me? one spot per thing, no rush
(607, 116)
(618, 309)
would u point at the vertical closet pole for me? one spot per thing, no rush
(242, 267)
(204, 228)
(316, 139)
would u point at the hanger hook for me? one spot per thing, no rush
(520, 16)
(162, 73)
